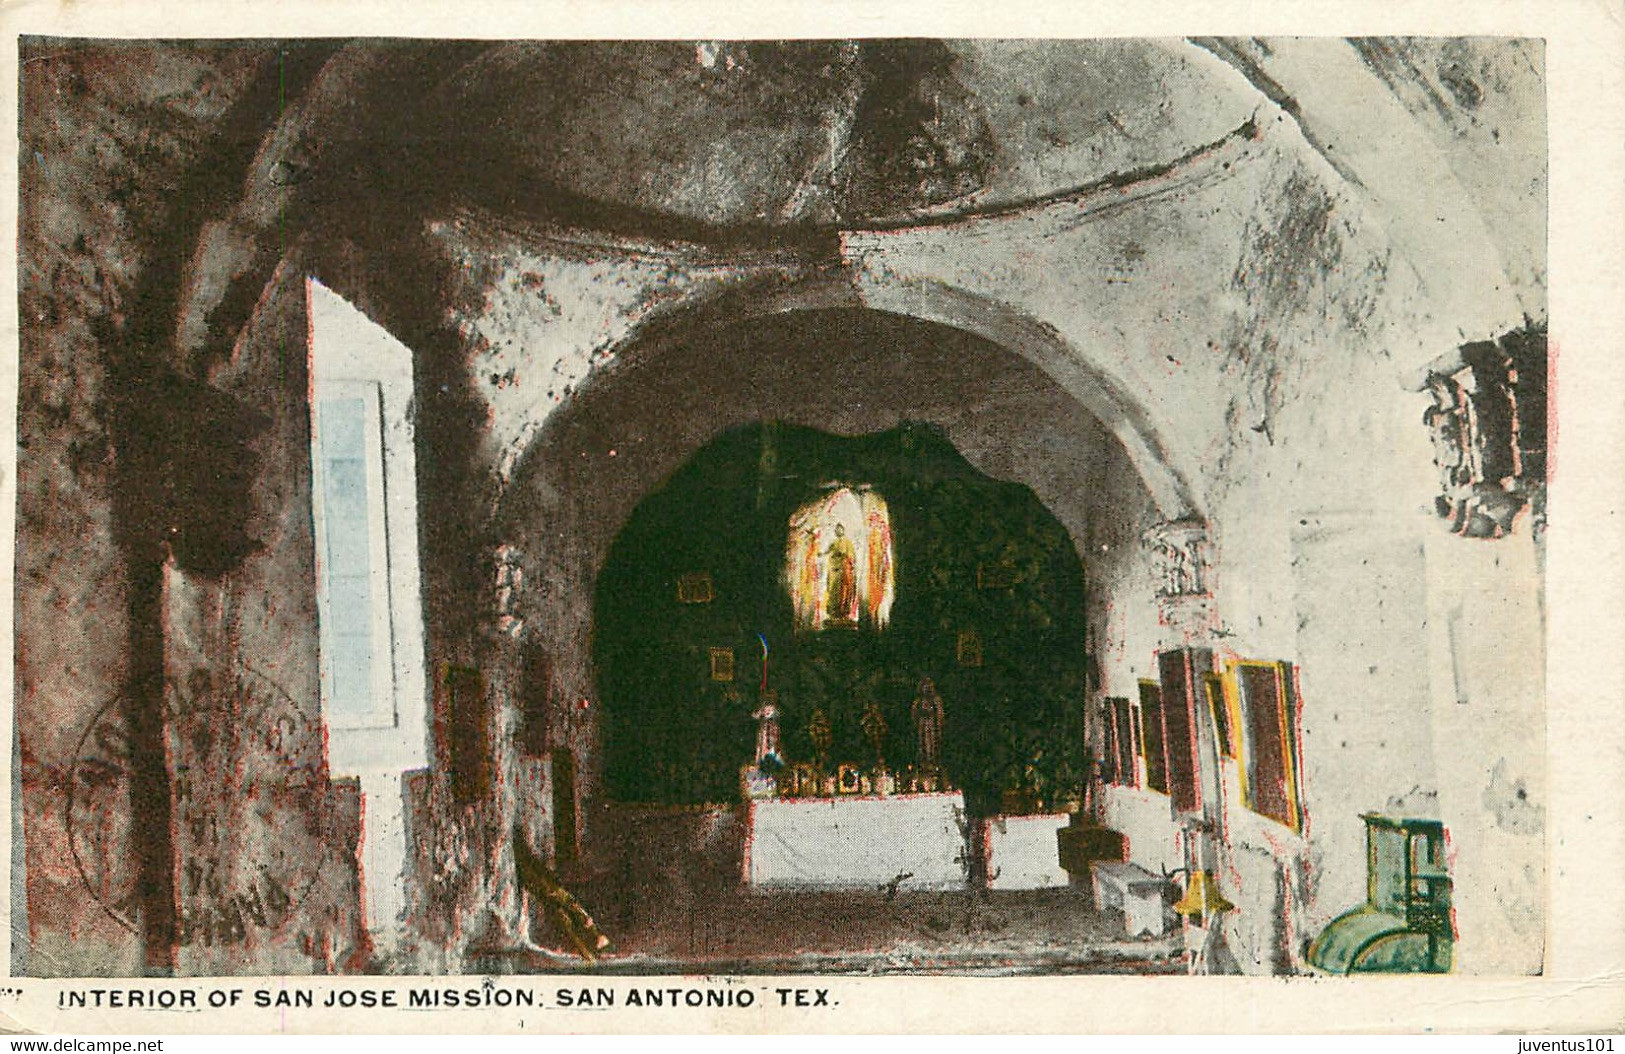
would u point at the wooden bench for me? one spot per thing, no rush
(1131, 889)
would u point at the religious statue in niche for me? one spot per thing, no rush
(841, 596)
(1179, 558)
(760, 779)
(838, 561)
(1488, 428)
(927, 713)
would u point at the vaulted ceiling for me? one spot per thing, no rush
(843, 133)
(767, 143)
(834, 133)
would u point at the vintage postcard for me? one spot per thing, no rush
(816, 524)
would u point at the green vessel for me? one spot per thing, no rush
(1404, 926)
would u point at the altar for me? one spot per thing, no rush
(902, 841)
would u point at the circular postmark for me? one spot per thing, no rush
(252, 812)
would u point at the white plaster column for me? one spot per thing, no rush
(383, 859)
(353, 357)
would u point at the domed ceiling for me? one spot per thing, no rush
(832, 133)
(711, 141)
(730, 143)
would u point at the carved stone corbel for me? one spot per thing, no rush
(1181, 567)
(1179, 557)
(1488, 427)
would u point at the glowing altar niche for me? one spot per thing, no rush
(838, 560)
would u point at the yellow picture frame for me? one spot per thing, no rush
(722, 664)
(1216, 693)
(968, 648)
(1245, 746)
(696, 587)
(1150, 723)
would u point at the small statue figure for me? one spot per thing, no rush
(767, 730)
(1179, 571)
(874, 727)
(927, 712)
(841, 595)
(1178, 558)
(818, 731)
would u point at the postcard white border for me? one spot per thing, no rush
(1584, 984)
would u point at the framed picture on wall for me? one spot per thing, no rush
(1183, 699)
(1267, 721)
(968, 648)
(722, 664)
(469, 732)
(1130, 746)
(1111, 767)
(1151, 737)
(695, 588)
(1120, 745)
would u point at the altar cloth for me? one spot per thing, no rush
(904, 841)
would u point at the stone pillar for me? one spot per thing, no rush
(1181, 556)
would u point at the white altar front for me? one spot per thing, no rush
(1022, 851)
(916, 841)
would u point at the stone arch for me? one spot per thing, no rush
(561, 542)
(1126, 417)
(1166, 474)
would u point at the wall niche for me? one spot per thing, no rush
(917, 580)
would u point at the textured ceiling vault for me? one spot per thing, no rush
(775, 142)
(842, 133)
(834, 133)
(788, 143)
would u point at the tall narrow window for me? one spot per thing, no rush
(369, 611)
(353, 598)
(364, 511)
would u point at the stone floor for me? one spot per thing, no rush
(671, 901)
(863, 932)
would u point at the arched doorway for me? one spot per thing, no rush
(836, 375)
